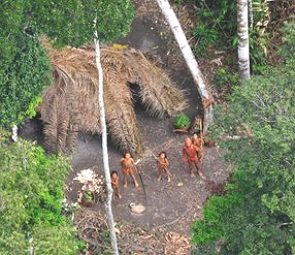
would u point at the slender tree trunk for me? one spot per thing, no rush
(188, 56)
(106, 166)
(243, 37)
(14, 135)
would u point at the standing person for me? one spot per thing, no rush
(128, 168)
(115, 183)
(163, 165)
(198, 142)
(189, 155)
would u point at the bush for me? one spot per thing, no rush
(288, 49)
(256, 216)
(88, 196)
(206, 37)
(182, 121)
(24, 65)
(225, 79)
(216, 25)
(31, 187)
(22, 83)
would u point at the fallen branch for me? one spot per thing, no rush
(189, 58)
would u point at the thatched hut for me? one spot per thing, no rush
(70, 105)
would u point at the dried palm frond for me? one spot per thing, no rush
(70, 105)
(177, 244)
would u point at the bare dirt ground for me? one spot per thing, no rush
(171, 208)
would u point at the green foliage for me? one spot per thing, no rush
(288, 49)
(88, 196)
(258, 51)
(180, 2)
(206, 37)
(114, 18)
(58, 240)
(31, 184)
(256, 216)
(260, 34)
(223, 77)
(216, 24)
(211, 249)
(214, 211)
(31, 187)
(24, 65)
(22, 83)
(71, 22)
(182, 121)
(11, 18)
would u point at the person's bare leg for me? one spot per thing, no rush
(125, 181)
(134, 180)
(159, 174)
(169, 175)
(200, 173)
(116, 191)
(191, 169)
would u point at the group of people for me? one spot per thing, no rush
(192, 154)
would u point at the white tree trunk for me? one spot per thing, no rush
(14, 135)
(106, 166)
(188, 56)
(243, 39)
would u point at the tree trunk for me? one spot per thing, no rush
(243, 39)
(14, 135)
(188, 56)
(106, 166)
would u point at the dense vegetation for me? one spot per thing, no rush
(24, 66)
(31, 188)
(22, 82)
(257, 214)
(31, 182)
(216, 27)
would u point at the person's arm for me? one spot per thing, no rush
(122, 162)
(133, 164)
(159, 162)
(166, 162)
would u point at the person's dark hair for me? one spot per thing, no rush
(163, 152)
(124, 155)
(114, 172)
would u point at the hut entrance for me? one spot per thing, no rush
(32, 129)
(137, 100)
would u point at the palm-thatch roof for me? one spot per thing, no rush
(70, 104)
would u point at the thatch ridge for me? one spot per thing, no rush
(70, 104)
